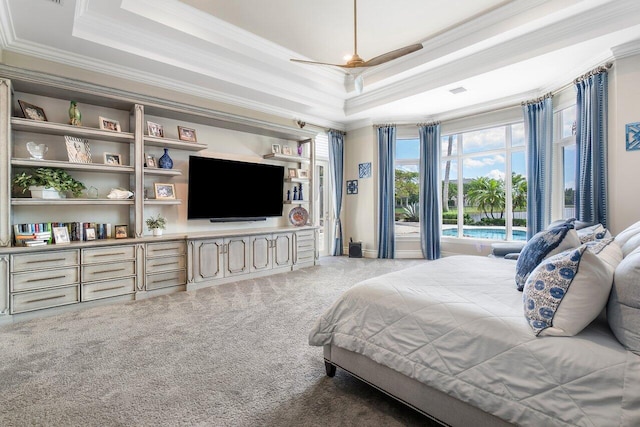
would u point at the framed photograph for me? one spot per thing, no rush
(186, 134)
(150, 161)
(164, 191)
(32, 112)
(303, 173)
(89, 234)
(122, 231)
(275, 148)
(60, 235)
(112, 159)
(155, 129)
(78, 149)
(286, 150)
(109, 124)
(293, 173)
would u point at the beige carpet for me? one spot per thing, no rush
(228, 355)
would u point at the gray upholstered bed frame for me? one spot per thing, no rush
(433, 403)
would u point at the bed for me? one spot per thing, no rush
(449, 338)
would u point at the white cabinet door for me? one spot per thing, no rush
(261, 252)
(236, 256)
(208, 259)
(282, 249)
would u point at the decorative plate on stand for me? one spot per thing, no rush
(298, 216)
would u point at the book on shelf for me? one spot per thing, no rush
(37, 234)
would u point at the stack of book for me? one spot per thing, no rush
(33, 234)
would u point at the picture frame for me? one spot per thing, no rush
(61, 235)
(121, 231)
(155, 129)
(187, 134)
(109, 124)
(114, 159)
(275, 148)
(78, 149)
(164, 191)
(303, 173)
(286, 150)
(293, 173)
(32, 112)
(150, 161)
(90, 233)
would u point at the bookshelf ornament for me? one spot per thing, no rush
(37, 151)
(165, 162)
(75, 117)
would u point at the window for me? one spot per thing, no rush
(407, 187)
(565, 155)
(489, 205)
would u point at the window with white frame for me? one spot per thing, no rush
(565, 164)
(407, 187)
(479, 201)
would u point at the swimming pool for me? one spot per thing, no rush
(485, 233)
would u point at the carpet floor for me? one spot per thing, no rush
(229, 355)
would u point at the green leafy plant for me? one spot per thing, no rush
(156, 222)
(412, 212)
(57, 179)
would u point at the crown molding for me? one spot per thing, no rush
(625, 50)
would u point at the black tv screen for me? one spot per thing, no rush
(231, 190)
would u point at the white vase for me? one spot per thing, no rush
(40, 192)
(157, 231)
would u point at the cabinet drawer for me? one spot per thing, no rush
(164, 280)
(40, 279)
(304, 256)
(112, 253)
(108, 271)
(30, 262)
(178, 247)
(304, 235)
(28, 301)
(156, 265)
(108, 288)
(305, 245)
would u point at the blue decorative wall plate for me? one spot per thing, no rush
(632, 133)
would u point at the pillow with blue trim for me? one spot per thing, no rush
(566, 292)
(592, 233)
(544, 244)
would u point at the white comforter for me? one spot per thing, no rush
(457, 324)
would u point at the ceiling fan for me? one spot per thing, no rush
(357, 62)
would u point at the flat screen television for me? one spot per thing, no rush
(230, 190)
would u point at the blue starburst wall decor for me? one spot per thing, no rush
(632, 133)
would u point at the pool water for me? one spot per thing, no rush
(485, 233)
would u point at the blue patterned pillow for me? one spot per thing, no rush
(542, 245)
(566, 292)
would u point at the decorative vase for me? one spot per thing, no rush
(165, 161)
(75, 117)
(41, 192)
(157, 231)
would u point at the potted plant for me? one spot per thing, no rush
(49, 183)
(156, 224)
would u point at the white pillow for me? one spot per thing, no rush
(631, 244)
(623, 309)
(608, 251)
(566, 292)
(627, 233)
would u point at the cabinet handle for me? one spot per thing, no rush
(45, 299)
(37, 261)
(107, 271)
(46, 278)
(108, 289)
(175, 248)
(171, 279)
(111, 254)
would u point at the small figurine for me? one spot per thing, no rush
(295, 193)
(75, 117)
(300, 192)
(288, 195)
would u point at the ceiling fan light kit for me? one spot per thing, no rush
(355, 61)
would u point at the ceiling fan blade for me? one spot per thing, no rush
(320, 63)
(390, 56)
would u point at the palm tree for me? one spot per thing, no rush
(519, 192)
(488, 195)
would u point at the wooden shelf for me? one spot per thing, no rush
(296, 202)
(27, 201)
(298, 180)
(154, 141)
(162, 201)
(162, 172)
(285, 158)
(50, 128)
(85, 167)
